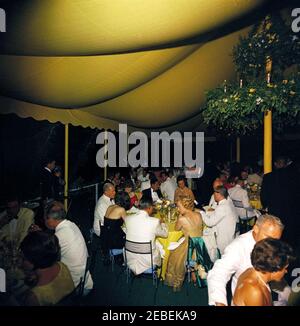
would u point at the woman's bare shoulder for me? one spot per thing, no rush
(115, 211)
(120, 210)
(248, 290)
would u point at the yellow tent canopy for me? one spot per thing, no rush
(100, 62)
(96, 63)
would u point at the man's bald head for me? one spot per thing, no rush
(267, 226)
(109, 190)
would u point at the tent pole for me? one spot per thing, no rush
(268, 142)
(268, 127)
(66, 190)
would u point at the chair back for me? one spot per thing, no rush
(74, 298)
(141, 248)
(238, 203)
(83, 280)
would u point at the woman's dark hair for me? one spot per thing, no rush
(271, 255)
(128, 184)
(153, 180)
(122, 199)
(164, 172)
(41, 249)
(180, 178)
(232, 179)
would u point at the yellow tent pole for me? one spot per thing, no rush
(238, 149)
(268, 127)
(268, 142)
(66, 190)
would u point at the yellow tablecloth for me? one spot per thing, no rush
(173, 236)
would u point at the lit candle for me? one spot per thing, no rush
(241, 83)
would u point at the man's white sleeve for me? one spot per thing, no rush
(213, 218)
(162, 230)
(245, 200)
(98, 217)
(221, 273)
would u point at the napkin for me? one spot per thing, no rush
(174, 245)
(257, 213)
(132, 210)
(160, 249)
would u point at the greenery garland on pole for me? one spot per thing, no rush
(239, 109)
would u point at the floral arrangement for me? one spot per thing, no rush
(253, 190)
(167, 210)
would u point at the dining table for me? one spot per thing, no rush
(173, 235)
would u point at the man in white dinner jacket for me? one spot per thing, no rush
(212, 202)
(239, 194)
(106, 200)
(236, 258)
(73, 248)
(168, 186)
(141, 227)
(223, 218)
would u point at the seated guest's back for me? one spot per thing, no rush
(103, 203)
(74, 252)
(189, 221)
(112, 235)
(54, 281)
(141, 227)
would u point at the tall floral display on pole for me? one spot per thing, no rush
(238, 109)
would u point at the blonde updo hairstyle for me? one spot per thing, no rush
(187, 202)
